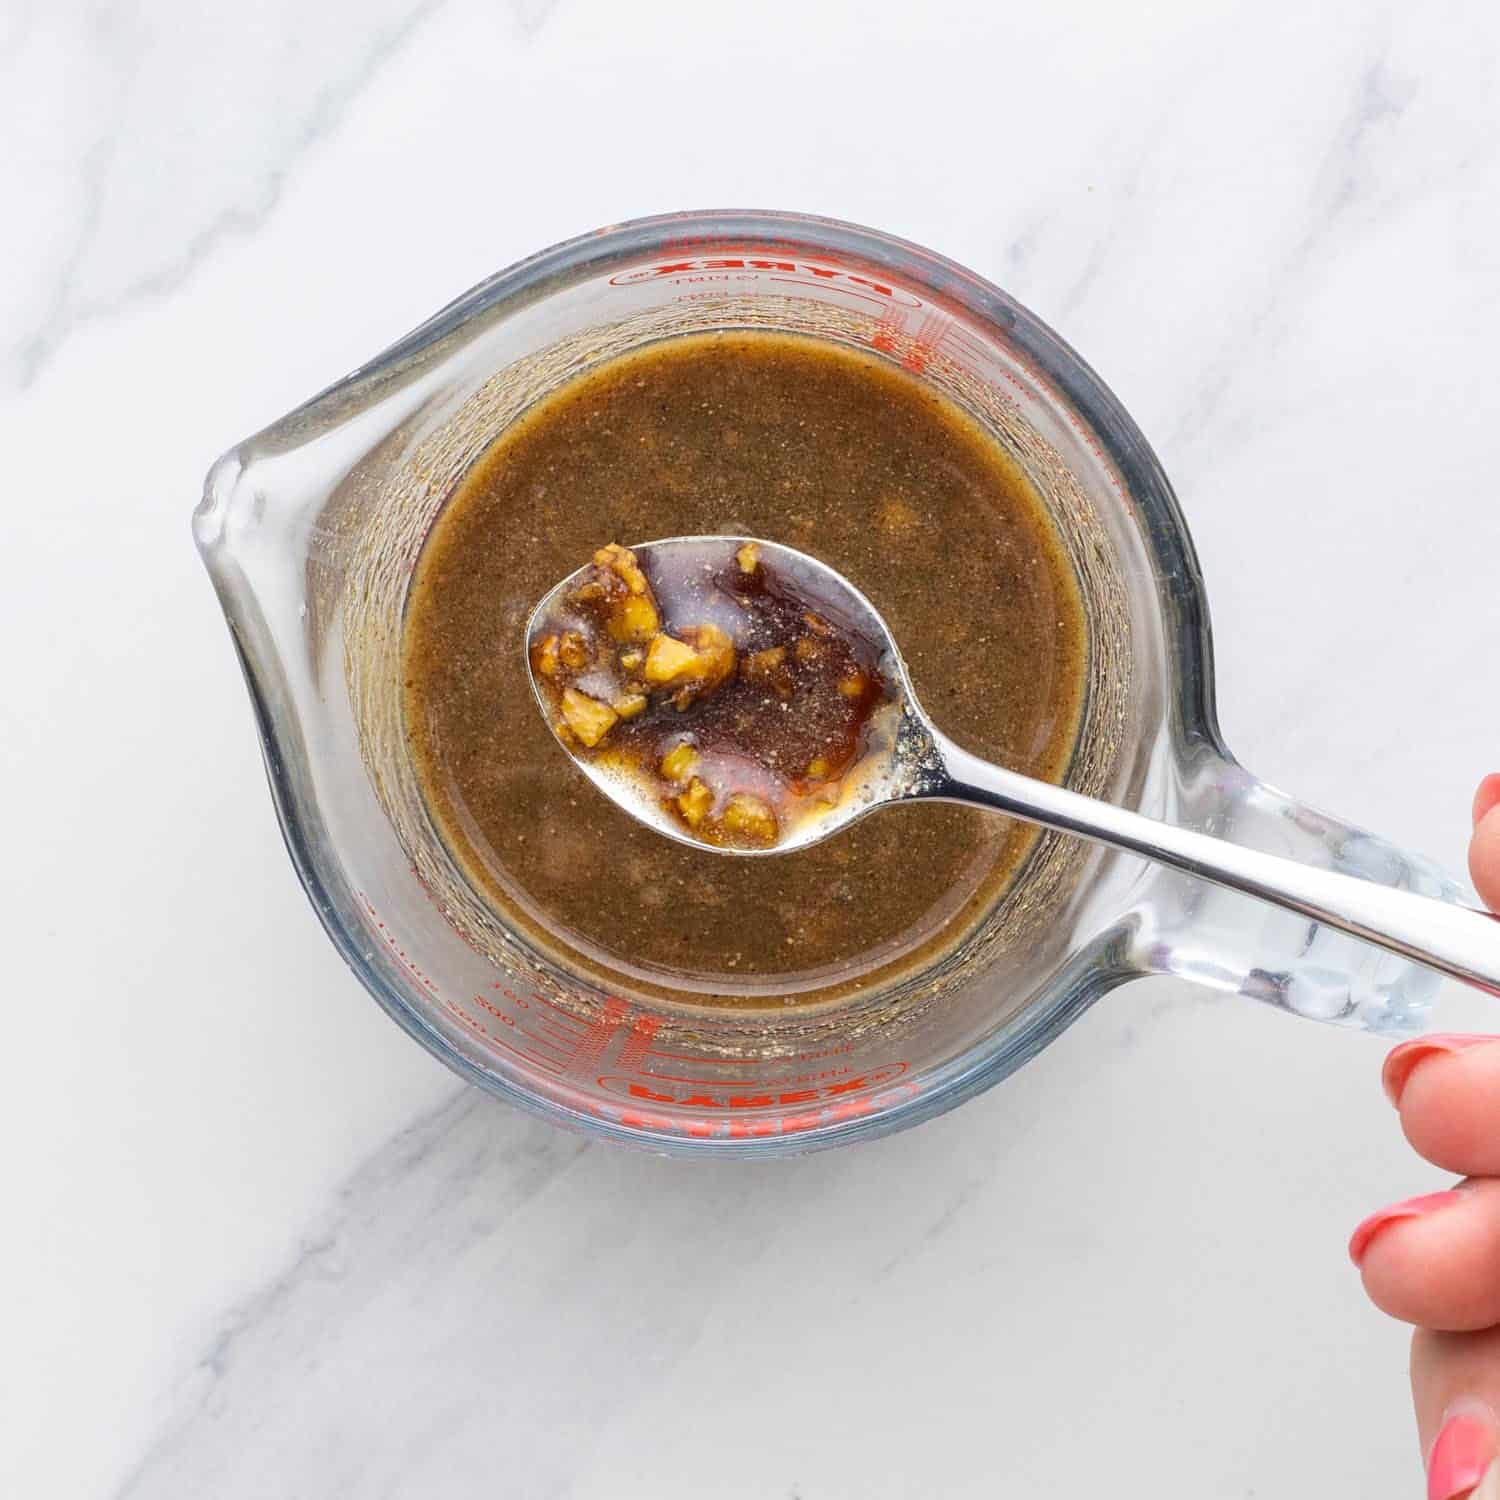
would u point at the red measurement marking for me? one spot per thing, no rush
(397, 951)
(954, 335)
(542, 1041)
(597, 1037)
(560, 1021)
(745, 1129)
(697, 1083)
(494, 1010)
(924, 346)
(848, 291)
(930, 329)
(586, 1046)
(506, 1019)
(715, 1093)
(642, 1029)
(888, 332)
(570, 1037)
(692, 1057)
(800, 271)
(546, 1064)
(566, 1016)
(765, 1125)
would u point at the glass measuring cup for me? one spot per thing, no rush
(311, 530)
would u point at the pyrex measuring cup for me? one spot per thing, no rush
(311, 531)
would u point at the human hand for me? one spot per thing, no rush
(1435, 1260)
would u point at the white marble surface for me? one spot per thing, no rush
(258, 1244)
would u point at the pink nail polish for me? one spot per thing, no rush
(1464, 1450)
(1403, 1060)
(1410, 1208)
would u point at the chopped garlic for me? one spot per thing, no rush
(750, 817)
(680, 762)
(589, 719)
(695, 803)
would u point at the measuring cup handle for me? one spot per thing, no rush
(1261, 894)
(1296, 962)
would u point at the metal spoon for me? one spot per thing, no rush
(911, 759)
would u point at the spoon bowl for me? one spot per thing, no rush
(898, 753)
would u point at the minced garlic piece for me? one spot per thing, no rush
(668, 659)
(750, 817)
(633, 618)
(695, 803)
(573, 651)
(761, 664)
(680, 762)
(621, 562)
(547, 656)
(588, 718)
(701, 662)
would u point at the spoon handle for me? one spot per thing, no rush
(1461, 941)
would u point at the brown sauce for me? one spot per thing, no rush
(800, 441)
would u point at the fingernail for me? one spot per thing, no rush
(1403, 1060)
(1411, 1208)
(1487, 797)
(1464, 1453)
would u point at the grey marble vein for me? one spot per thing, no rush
(438, 1193)
(532, 15)
(1379, 99)
(931, 1231)
(434, 1310)
(106, 268)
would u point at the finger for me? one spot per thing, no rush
(1435, 1260)
(1484, 847)
(1447, 1087)
(1487, 796)
(1455, 1387)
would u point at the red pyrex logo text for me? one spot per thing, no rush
(777, 270)
(689, 1094)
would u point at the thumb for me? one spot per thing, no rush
(1484, 850)
(1455, 1380)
